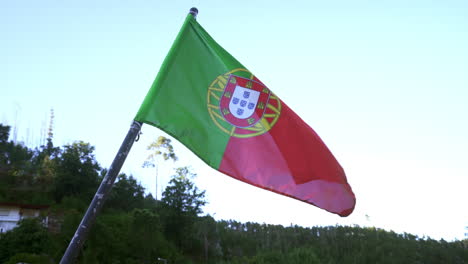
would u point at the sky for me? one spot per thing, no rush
(384, 84)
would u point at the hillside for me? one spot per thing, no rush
(135, 228)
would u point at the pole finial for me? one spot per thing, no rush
(194, 12)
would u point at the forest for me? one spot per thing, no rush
(136, 228)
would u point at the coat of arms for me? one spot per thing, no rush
(243, 101)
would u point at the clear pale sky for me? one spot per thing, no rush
(384, 83)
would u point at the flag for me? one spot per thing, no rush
(206, 99)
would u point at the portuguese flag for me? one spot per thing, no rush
(206, 99)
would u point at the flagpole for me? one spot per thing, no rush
(104, 189)
(99, 198)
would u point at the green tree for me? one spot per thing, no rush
(16, 169)
(302, 256)
(147, 240)
(14, 157)
(108, 240)
(29, 258)
(29, 237)
(76, 172)
(4, 134)
(270, 257)
(182, 196)
(182, 202)
(208, 237)
(127, 194)
(45, 158)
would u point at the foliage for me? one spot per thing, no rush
(12, 156)
(135, 228)
(181, 204)
(29, 237)
(160, 147)
(182, 196)
(126, 194)
(29, 258)
(76, 172)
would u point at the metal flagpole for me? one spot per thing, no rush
(98, 201)
(104, 189)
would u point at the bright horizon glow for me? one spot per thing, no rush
(385, 85)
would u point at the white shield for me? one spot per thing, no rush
(243, 102)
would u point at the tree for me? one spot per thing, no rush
(126, 194)
(4, 133)
(45, 158)
(50, 134)
(147, 240)
(29, 237)
(160, 147)
(14, 157)
(207, 235)
(76, 172)
(29, 258)
(16, 168)
(182, 196)
(302, 256)
(182, 202)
